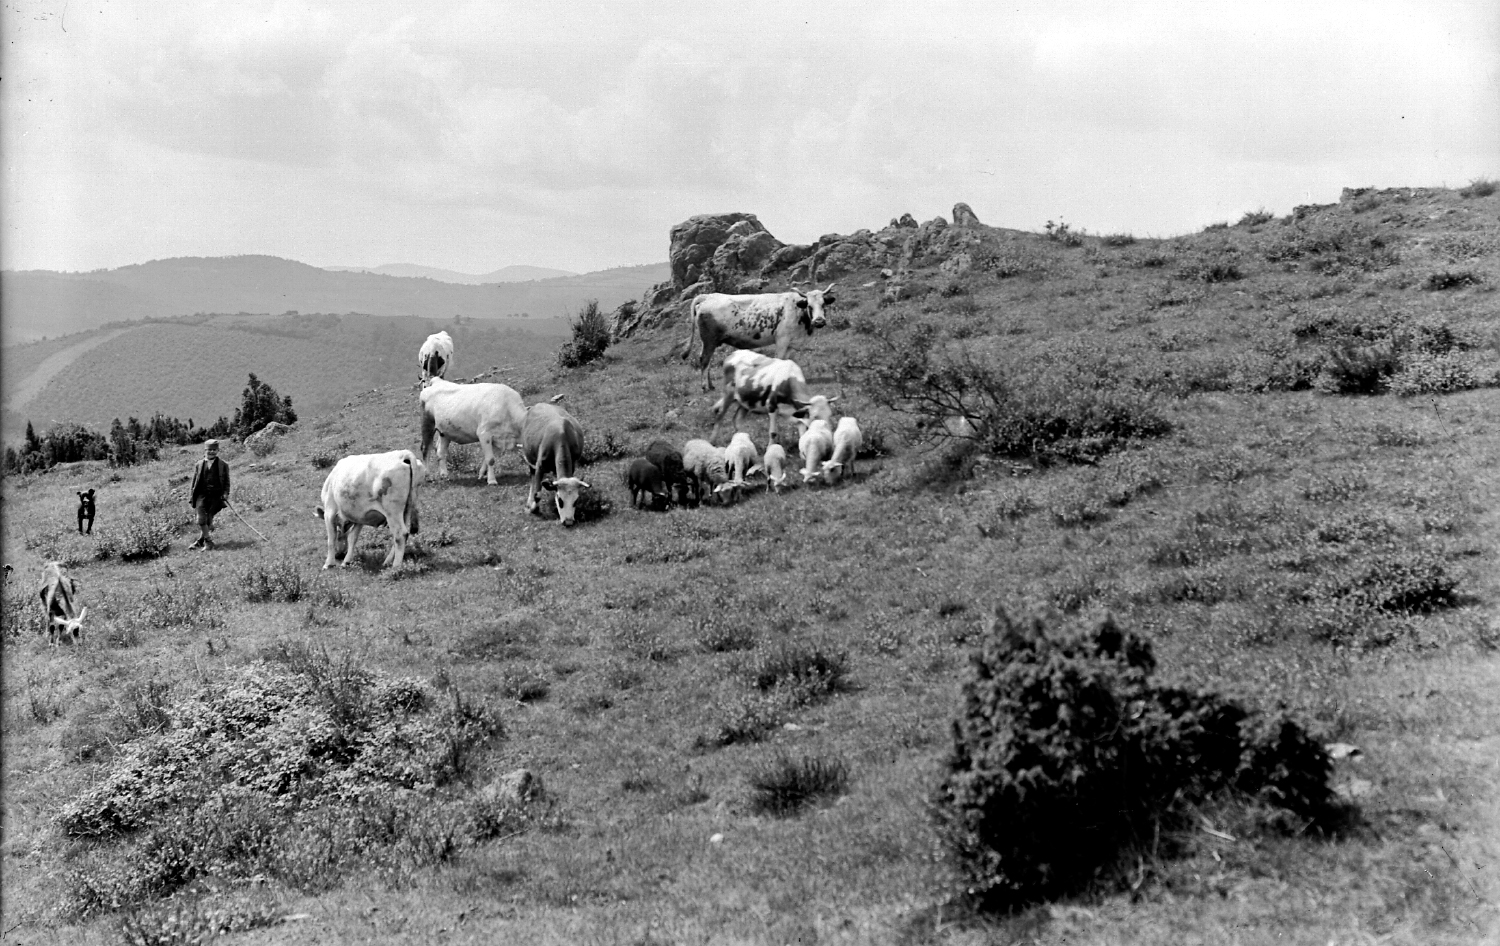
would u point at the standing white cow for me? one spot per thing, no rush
(757, 384)
(753, 321)
(436, 355)
(552, 443)
(371, 489)
(847, 441)
(60, 614)
(490, 414)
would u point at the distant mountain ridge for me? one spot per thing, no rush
(413, 271)
(41, 303)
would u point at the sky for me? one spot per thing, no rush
(471, 136)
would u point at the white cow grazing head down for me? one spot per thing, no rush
(490, 414)
(552, 442)
(436, 356)
(371, 489)
(60, 614)
(753, 321)
(847, 441)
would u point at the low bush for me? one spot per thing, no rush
(1397, 580)
(1451, 279)
(1479, 187)
(1426, 373)
(299, 770)
(278, 580)
(178, 604)
(591, 336)
(1066, 754)
(1357, 369)
(807, 670)
(1117, 239)
(783, 785)
(1254, 218)
(1064, 234)
(140, 538)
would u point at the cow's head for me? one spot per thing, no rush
(340, 532)
(810, 304)
(72, 628)
(565, 490)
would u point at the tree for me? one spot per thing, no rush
(259, 406)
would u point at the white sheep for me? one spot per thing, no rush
(703, 463)
(774, 465)
(816, 443)
(846, 443)
(742, 457)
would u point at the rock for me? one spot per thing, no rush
(1343, 750)
(721, 250)
(716, 839)
(789, 255)
(263, 441)
(905, 221)
(514, 788)
(957, 263)
(963, 216)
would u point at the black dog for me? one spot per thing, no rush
(86, 511)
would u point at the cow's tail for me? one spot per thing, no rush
(429, 428)
(410, 512)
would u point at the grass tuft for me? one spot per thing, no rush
(784, 785)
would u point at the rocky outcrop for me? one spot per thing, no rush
(719, 250)
(263, 441)
(963, 216)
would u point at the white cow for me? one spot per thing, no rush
(490, 414)
(552, 443)
(741, 457)
(774, 463)
(371, 489)
(756, 384)
(60, 614)
(815, 444)
(847, 441)
(753, 321)
(436, 355)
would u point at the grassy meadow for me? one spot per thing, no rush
(1268, 447)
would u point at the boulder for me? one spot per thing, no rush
(906, 221)
(263, 441)
(721, 250)
(514, 789)
(963, 216)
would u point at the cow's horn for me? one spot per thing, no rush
(830, 286)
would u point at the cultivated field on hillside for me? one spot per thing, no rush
(196, 366)
(1268, 448)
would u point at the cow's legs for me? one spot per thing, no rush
(491, 460)
(352, 538)
(333, 538)
(398, 548)
(442, 450)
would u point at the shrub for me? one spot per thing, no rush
(323, 458)
(1397, 580)
(139, 539)
(279, 580)
(808, 671)
(607, 444)
(1424, 373)
(179, 605)
(784, 785)
(298, 770)
(1069, 403)
(1117, 239)
(1065, 753)
(1357, 369)
(1211, 271)
(1479, 187)
(590, 337)
(1062, 233)
(1254, 218)
(1451, 279)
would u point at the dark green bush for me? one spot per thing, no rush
(1479, 187)
(279, 580)
(1254, 218)
(1357, 369)
(783, 784)
(805, 668)
(590, 337)
(1065, 753)
(1451, 279)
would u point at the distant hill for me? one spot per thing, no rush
(413, 271)
(196, 366)
(40, 303)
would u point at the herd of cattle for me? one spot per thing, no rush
(381, 489)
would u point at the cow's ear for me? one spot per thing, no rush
(801, 302)
(829, 300)
(319, 511)
(549, 485)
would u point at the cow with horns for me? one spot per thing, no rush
(753, 321)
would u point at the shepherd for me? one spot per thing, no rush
(210, 492)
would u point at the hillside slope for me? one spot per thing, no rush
(196, 366)
(39, 303)
(503, 274)
(1290, 530)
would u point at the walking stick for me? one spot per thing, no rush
(244, 520)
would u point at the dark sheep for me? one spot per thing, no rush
(668, 459)
(645, 482)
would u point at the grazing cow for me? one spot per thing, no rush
(816, 443)
(704, 463)
(86, 511)
(436, 355)
(774, 463)
(753, 321)
(846, 443)
(756, 384)
(741, 457)
(491, 414)
(645, 482)
(371, 489)
(552, 442)
(668, 459)
(60, 614)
